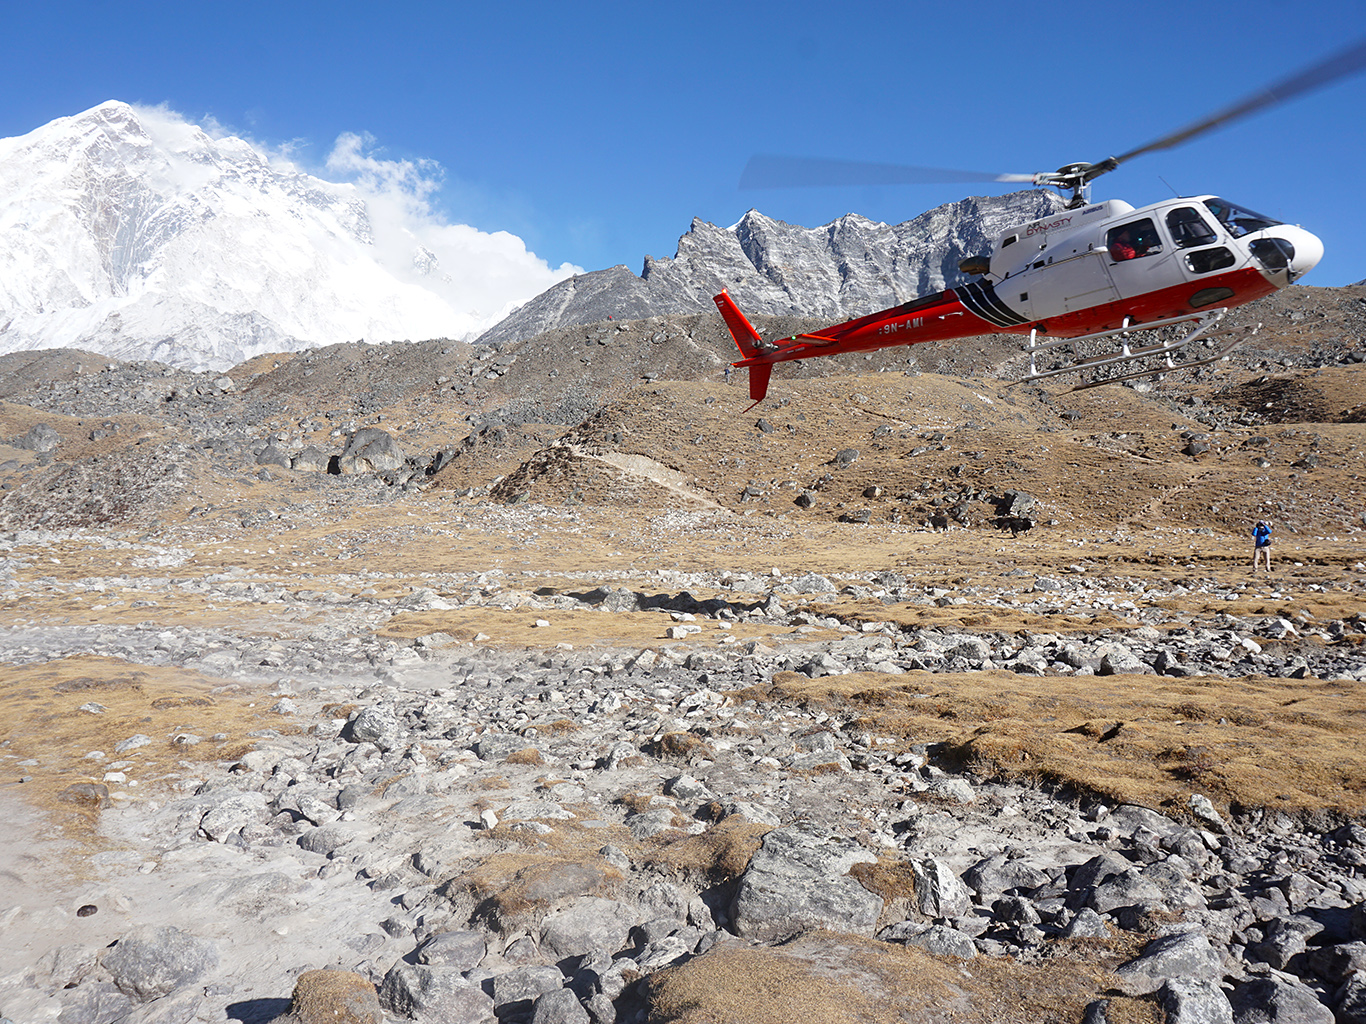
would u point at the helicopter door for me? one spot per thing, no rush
(1138, 260)
(1053, 286)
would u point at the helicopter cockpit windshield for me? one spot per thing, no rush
(1237, 220)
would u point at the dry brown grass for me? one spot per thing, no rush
(513, 888)
(683, 746)
(40, 707)
(845, 979)
(719, 854)
(559, 727)
(894, 881)
(1290, 744)
(1143, 532)
(637, 803)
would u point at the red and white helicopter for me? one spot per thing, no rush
(1092, 271)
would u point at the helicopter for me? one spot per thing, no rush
(1102, 271)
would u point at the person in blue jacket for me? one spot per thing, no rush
(1261, 544)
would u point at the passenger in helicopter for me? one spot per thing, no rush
(1130, 241)
(1121, 247)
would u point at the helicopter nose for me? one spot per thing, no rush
(1287, 249)
(1308, 250)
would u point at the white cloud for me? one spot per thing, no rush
(481, 273)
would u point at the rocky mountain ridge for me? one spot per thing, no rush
(847, 268)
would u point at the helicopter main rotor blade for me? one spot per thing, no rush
(1340, 65)
(769, 171)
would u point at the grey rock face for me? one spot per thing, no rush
(462, 950)
(798, 880)
(311, 459)
(66, 966)
(272, 456)
(149, 963)
(1351, 1000)
(938, 891)
(515, 991)
(232, 813)
(1194, 1002)
(370, 450)
(97, 1003)
(590, 924)
(376, 725)
(559, 1007)
(327, 839)
(41, 437)
(938, 939)
(998, 874)
(439, 995)
(846, 268)
(1118, 660)
(1277, 1000)
(1187, 956)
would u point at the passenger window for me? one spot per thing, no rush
(1206, 260)
(1188, 229)
(1133, 240)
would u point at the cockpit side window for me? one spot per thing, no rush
(1133, 240)
(1237, 220)
(1189, 229)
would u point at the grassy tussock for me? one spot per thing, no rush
(1297, 745)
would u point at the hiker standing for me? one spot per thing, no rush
(1261, 544)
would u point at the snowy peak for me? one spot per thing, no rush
(130, 231)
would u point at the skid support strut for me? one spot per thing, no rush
(1160, 354)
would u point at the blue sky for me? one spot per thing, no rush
(596, 131)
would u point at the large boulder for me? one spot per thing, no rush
(148, 963)
(370, 450)
(587, 925)
(799, 880)
(434, 995)
(1277, 1000)
(1185, 956)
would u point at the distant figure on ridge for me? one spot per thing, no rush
(1261, 544)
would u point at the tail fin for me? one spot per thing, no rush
(740, 329)
(747, 338)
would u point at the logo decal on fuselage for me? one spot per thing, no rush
(1040, 226)
(982, 300)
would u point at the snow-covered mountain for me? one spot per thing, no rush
(135, 234)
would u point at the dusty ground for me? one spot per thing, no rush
(681, 476)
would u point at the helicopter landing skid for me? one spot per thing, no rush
(1202, 331)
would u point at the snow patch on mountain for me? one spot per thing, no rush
(132, 232)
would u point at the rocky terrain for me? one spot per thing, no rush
(546, 681)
